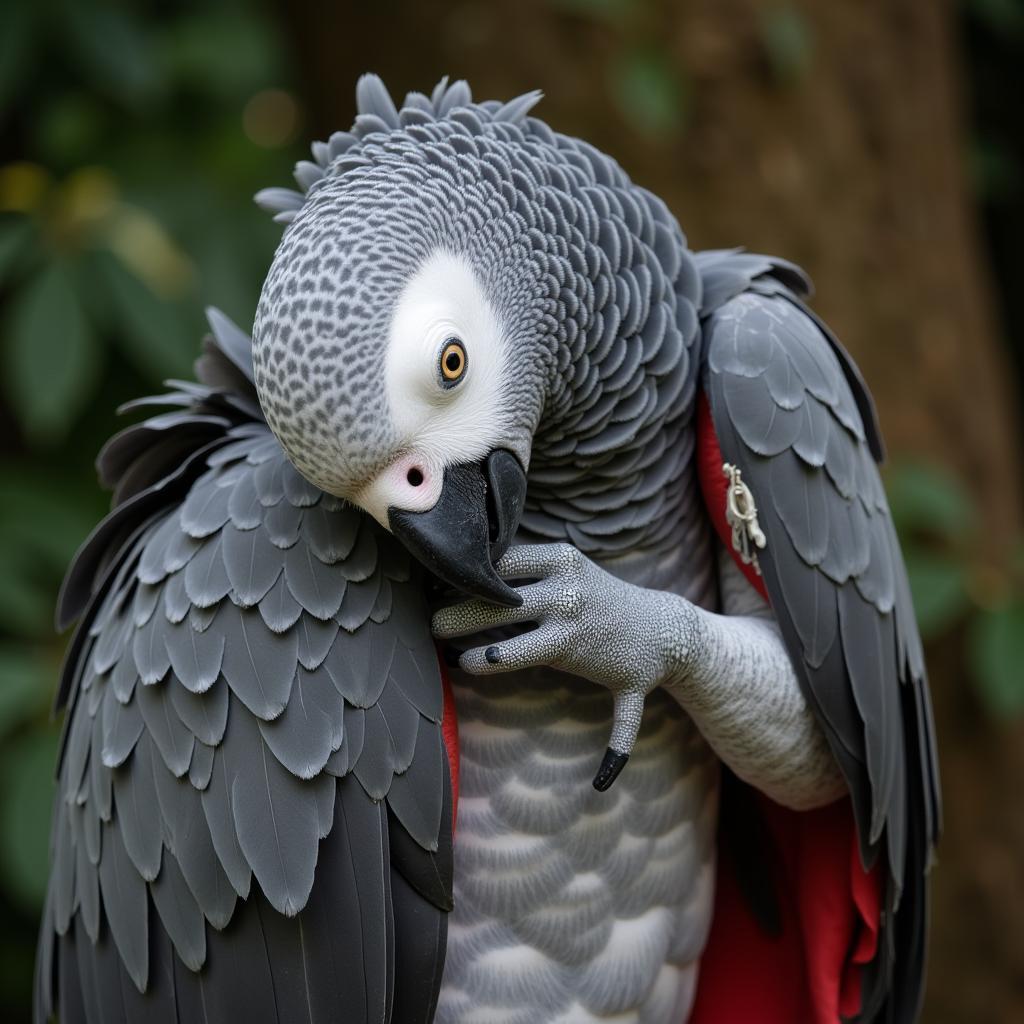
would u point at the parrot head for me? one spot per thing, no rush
(403, 360)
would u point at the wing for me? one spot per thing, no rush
(253, 819)
(791, 411)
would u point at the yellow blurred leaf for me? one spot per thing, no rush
(22, 186)
(142, 244)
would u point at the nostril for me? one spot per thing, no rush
(414, 476)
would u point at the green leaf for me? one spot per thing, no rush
(17, 232)
(226, 281)
(650, 92)
(25, 686)
(51, 359)
(226, 54)
(68, 129)
(787, 41)
(996, 650)
(926, 499)
(113, 49)
(150, 331)
(28, 769)
(1001, 17)
(26, 602)
(43, 518)
(47, 517)
(937, 587)
(16, 31)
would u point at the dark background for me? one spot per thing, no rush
(873, 141)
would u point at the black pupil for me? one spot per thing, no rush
(415, 477)
(453, 361)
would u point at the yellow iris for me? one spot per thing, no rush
(453, 362)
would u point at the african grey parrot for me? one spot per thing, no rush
(489, 380)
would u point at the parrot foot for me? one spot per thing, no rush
(585, 621)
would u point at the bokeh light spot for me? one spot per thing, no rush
(22, 186)
(271, 118)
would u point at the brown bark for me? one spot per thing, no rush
(854, 169)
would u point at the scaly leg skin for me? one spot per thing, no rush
(731, 673)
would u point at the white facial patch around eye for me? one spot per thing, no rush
(459, 423)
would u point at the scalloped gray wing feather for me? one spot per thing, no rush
(253, 817)
(791, 410)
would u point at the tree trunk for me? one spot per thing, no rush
(845, 154)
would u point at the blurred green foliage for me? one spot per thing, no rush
(787, 42)
(650, 91)
(953, 588)
(132, 137)
(1003, 16)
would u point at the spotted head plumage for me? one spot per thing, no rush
(395, 250)
(444, 220)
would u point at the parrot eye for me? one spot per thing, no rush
(452, 363)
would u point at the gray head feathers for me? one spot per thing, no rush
(588, 275)
(376, 112)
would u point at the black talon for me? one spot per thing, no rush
(611, 764)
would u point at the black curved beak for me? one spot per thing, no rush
(470, 527)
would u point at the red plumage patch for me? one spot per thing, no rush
(714, 485)
(830, 906)
(450, 734)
